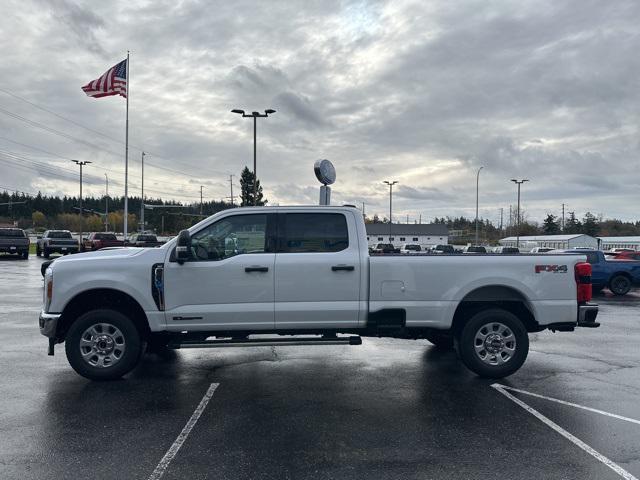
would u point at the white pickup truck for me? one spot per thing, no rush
(300, 276)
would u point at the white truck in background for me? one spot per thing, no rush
(303, 275)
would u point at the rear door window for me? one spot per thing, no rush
(313, 233)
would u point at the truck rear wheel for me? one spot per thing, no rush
(103, 345)
(620, 285)
(494, 343)
(45, 252)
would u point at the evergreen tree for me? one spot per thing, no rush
(246, 189)
(550, 225)
(590, 225)
(572, 225)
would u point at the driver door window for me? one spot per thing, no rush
(231, 236)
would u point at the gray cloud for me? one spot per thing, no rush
(424, 93)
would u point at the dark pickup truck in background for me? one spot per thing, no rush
(98, 240)
(56, 241)
(616, 275)
(144, 240)
(13, 240)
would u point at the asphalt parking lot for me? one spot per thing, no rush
(385, 409)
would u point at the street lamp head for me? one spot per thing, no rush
(514, 180)
(235, 110)
(390, 183)
(269, 111)
(255, 114)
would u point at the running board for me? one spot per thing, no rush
(268, 342)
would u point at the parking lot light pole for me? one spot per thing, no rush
(391, 184)
(518, 182)
(106, 205)
(81, 163)
(255, 116)
(477, 187)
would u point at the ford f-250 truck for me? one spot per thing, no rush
(304, 276)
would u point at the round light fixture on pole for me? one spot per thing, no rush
(326, 175)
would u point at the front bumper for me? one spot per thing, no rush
(587, 314)
(48, 323)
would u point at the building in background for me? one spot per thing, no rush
(607, 243)
(551, 241)
(423, 234)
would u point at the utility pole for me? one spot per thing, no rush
(363, 214)
(519, 183)
(420, 221)
(81, 163)
(142, 206)
(563, 218)
(231, 185)
(201, 199)
(255, 116)
(501, 213)
(106, 206)
(477, 188)
(391, 184)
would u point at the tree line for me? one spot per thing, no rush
(42, 212)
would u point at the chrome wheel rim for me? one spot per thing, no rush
(494, 343)
(102, 345)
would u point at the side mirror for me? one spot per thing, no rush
(183, 246)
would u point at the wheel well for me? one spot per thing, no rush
(103, 298)
(496, 296)
(624, 274)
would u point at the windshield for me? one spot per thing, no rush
(59, 235)
(105, 236)
(11, 233)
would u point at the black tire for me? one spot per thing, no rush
(25, 255)
(620, 285)
(488, 319)
(125, 332)
(45, 252)
(440, 340)
(38, 252)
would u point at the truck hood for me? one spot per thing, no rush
(110, 255)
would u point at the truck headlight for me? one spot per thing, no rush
(48, 288)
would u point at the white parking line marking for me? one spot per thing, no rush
(613, 466)
(173, 450)
(551, 399)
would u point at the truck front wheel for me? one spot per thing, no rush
(103, 345)
(494, 343)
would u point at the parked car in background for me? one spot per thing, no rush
(540, 250)
(98, 240)
(56, 241)
(410, 248)
(144, 240)
(385, 248)
(474, 249)
(506, 250)
(626, 255)
(14, 241)
(616, 275)
(620, 250)
(443, 249)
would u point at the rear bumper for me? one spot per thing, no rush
(61, 248)
(15, 249)
(48, 323)
(587, 314)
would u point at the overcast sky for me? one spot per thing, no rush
(420, 92)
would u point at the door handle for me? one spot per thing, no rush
(256, 269)
(348, 268)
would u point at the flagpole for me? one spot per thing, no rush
(126, 161)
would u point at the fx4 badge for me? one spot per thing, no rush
(551, 268)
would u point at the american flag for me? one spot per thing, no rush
(112, 82)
